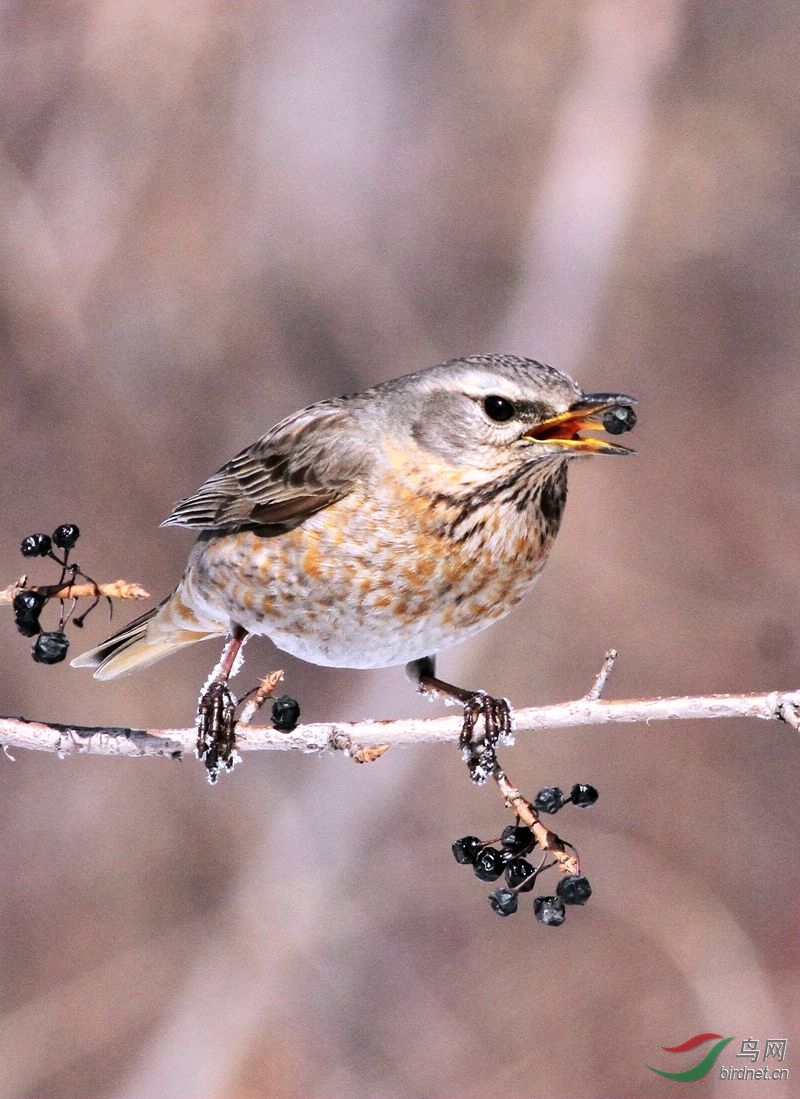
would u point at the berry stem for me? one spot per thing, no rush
(524, 886)
(547, 840)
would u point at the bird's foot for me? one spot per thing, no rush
(216, 730)
(479, 747)
(216, 711)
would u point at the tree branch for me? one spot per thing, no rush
(72, 739)
(115, 589)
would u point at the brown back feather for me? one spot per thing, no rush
(303, 464)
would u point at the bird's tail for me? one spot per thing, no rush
(138, 645)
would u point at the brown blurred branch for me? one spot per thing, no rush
(70, 739)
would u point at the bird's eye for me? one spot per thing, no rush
(499, 408)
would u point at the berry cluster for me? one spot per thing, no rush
(50, 647)
(508, 857)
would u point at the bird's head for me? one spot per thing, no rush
(495, 412)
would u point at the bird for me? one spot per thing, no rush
(379, 528)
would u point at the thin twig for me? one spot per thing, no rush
(601, 678)
(115, 589)
(360, 753)
(253, 702)
(525, 811)
(781, 706)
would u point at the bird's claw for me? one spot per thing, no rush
(216, 730)
(480, 750)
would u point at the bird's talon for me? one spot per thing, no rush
(479, 751)
(496, 714)
(482, 767)
(216, 730)
(506, 721)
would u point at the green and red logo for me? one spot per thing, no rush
(702, 1067)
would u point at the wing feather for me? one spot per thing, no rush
(301, 465)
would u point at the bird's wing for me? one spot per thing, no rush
(303, 464)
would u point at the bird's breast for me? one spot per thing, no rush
(385, 575)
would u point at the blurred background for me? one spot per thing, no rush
(215, 213)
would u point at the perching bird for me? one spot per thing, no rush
(380, 528)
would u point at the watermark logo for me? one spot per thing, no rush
(702, 1067)
(773, 1049)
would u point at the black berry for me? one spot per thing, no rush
(520, 875)
(618, 420)
(66, 535)
(488, 864)
(27, 624)
(466, 849)
(583, 795)
(50, 648)
(285, 713)
(574, 889)
(36, 545)
(518, 838)
(28, 602)
(550, 800)
(504, 902)
(549, 910)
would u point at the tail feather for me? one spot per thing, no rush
(135, 646)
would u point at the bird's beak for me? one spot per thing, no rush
(611, 412)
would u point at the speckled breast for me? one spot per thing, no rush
(377, 579)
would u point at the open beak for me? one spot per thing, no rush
(610, 412)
